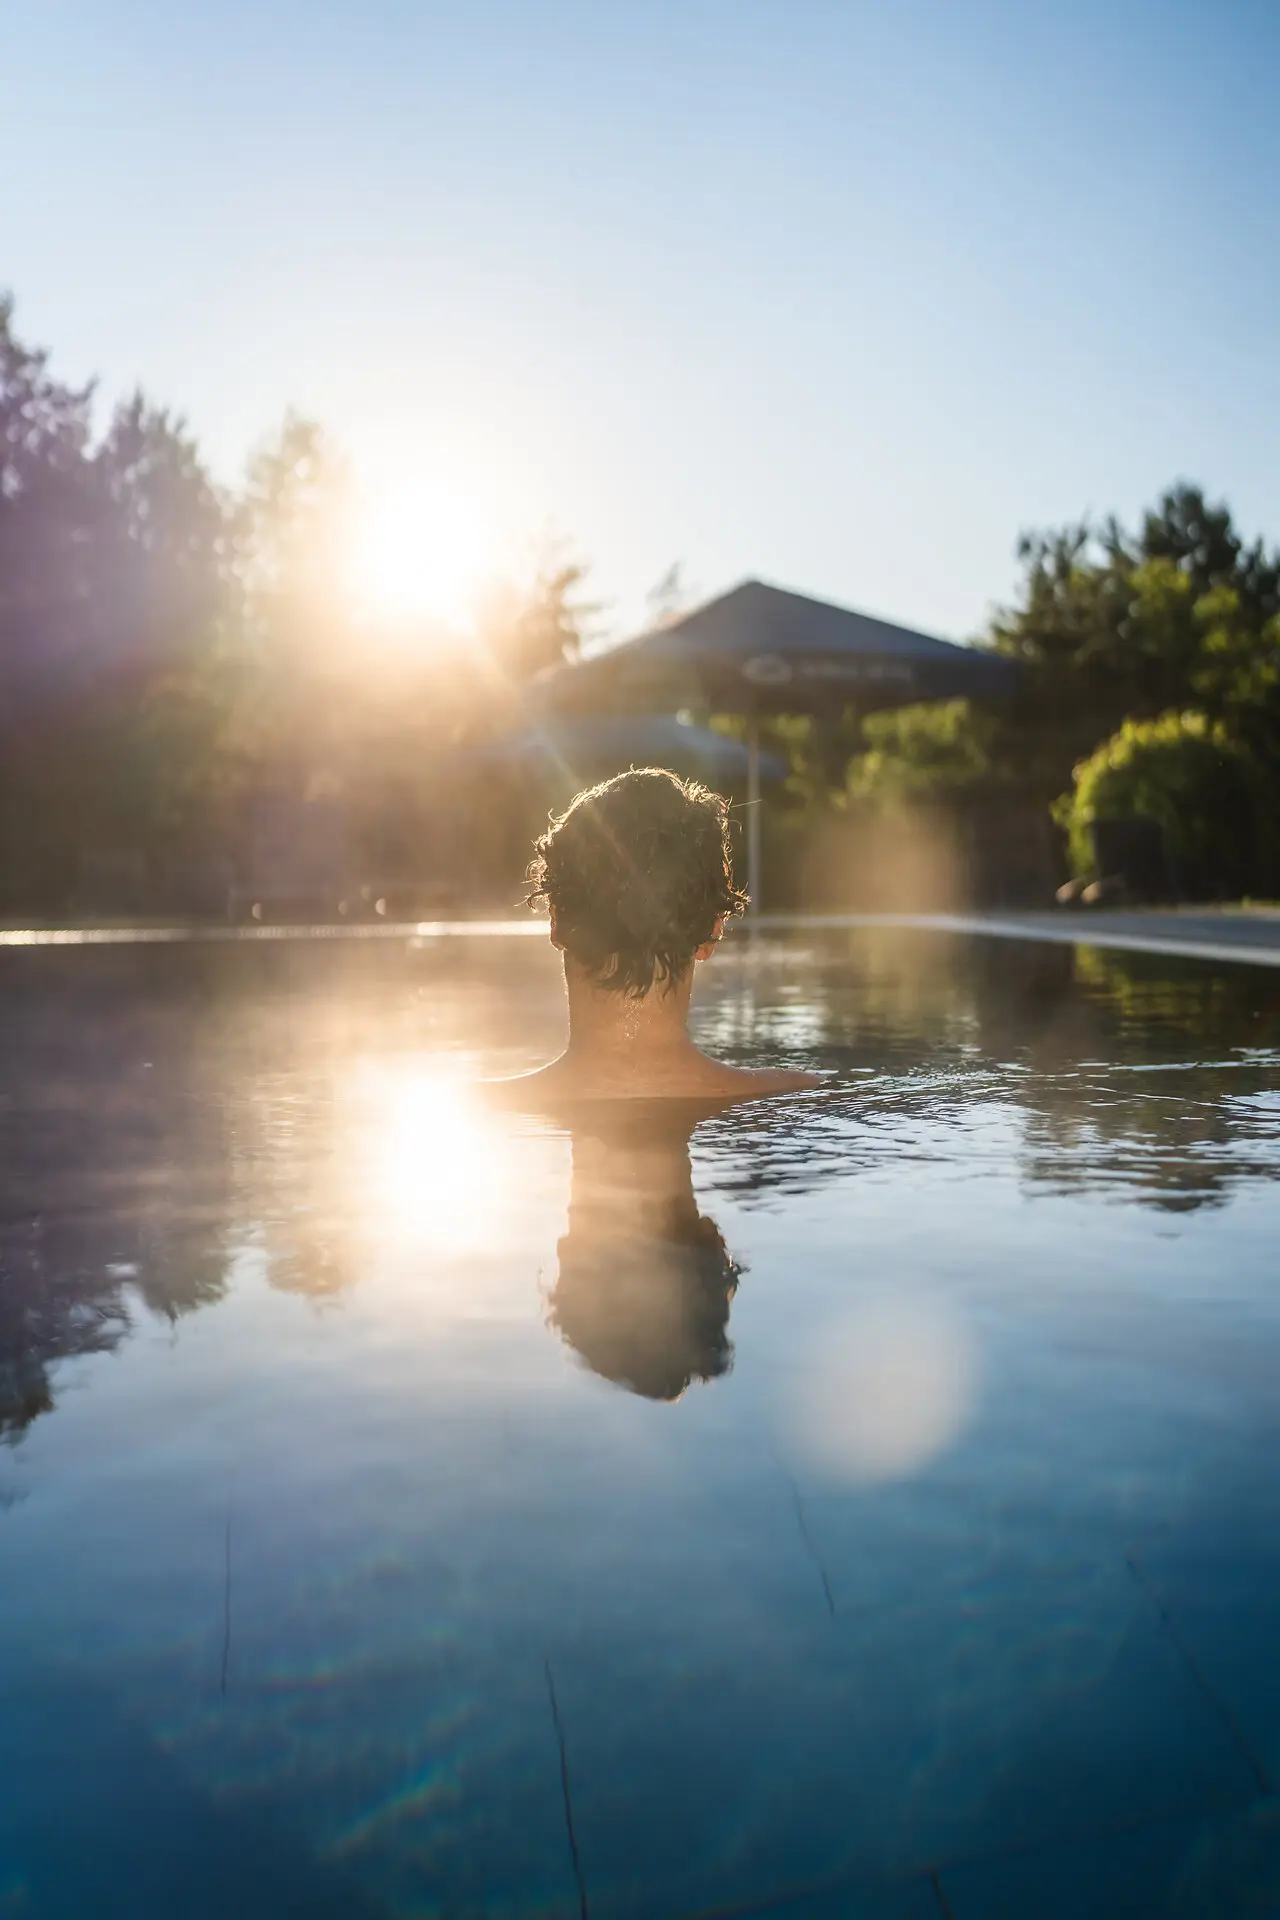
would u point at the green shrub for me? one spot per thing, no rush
(1202, 786)
(922, 754)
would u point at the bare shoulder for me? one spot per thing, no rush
(698, 1079)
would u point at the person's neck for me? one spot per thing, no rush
(608, 1026)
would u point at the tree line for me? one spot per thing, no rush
(1149, 687)
(173, 650)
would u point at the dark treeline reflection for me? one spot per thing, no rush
(1151, 1080)
(161, 1109)
(114, 1165)
(1129, 1113)
(1138, 1074)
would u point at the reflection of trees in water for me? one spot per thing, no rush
(645, 1280)
(70, 1287)
(50, 1309)
(875, 995)
(929, 1028)
(112, 1165)
(1164, 1116)
(160, 1108)
(1159, 998)
(1145, 1145)
(117, 1161)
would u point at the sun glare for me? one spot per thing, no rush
(423, 555)
(432, 1169)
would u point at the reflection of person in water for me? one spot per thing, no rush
(637, 878)
(645, 1279)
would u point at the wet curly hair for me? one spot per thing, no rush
(637, 871)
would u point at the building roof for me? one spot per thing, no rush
(756, 618)
(759, 648)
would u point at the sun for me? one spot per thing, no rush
(422, 553)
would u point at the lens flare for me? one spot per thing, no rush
(884, 1391)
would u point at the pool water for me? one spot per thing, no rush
(860, 1504)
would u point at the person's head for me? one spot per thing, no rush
(652, 1315)
(645, 1281)
(637, 875)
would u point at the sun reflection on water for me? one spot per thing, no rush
(431, 1160)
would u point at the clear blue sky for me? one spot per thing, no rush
(838, 293)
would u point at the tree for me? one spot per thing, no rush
(1202, 786)
(1111, 626)
(1119, 637)
(292, 651)
(164, 558)
(113, 572)
(47, 524)
(524, 627)
(668, 597)
(931, 752)
(112, 557)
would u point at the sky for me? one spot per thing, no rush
(837, 294)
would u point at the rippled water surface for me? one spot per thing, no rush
(861, 1504)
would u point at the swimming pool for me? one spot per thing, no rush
(860, 1504)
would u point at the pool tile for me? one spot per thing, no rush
(912, 1899)
(1220, 1865)
(453, 1786)
(702, 1776)
(1216, 1584)
(1232, 1648)
(95, 1818)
